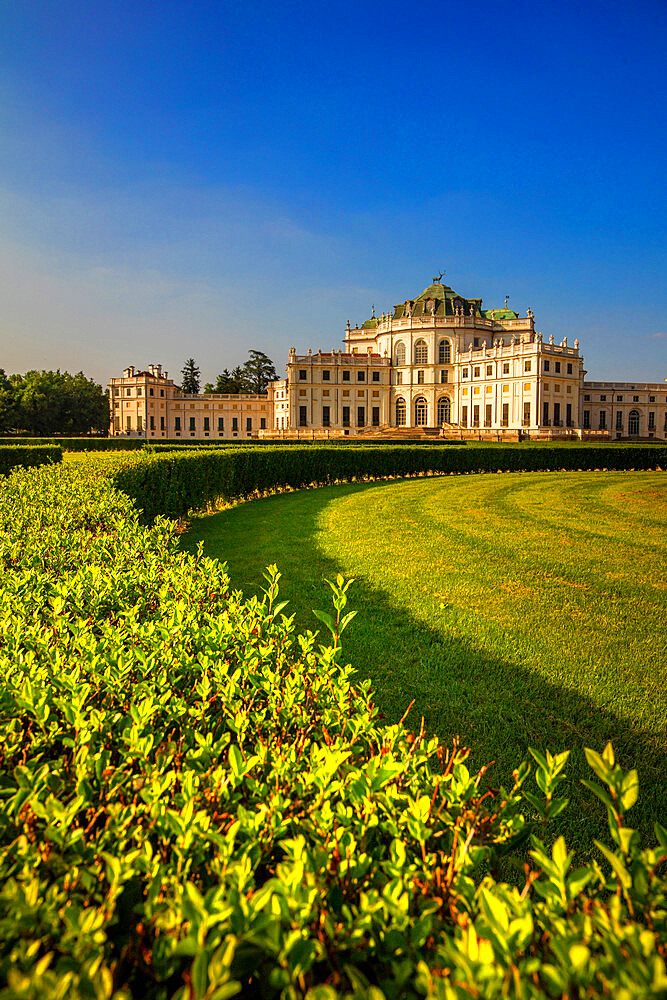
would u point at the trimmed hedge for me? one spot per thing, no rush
(198, 804)
(17, 456)
(174, 482)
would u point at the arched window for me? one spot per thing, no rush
(444, 352)
(633, 423)
(444, 410)
(400, 412)
(400, 354)
(421, 412)
(421, 352)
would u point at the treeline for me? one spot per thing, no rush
(253, 376)
(48, 402)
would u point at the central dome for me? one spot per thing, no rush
(438, 300)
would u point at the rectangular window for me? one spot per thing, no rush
(619, 421)
(505, 419)
(556, 414)
(361, 376)
(420, 377)
(476, 371)
(235, 425)
(162, 423)
(116, 392)
(587, 419)
(152, 420)
(326, 416)
(506, 367)
(192, 423)
(326, 375)
(444, 375)
(346, 416)
(526, 366)
(162, 392)
(361, 416)
(526, 414)
(489, 369)
(545, 413)
(619, 399)
(399, 378)
(603, 398)
(587, 398)
(128, 425)
(248, 423)
(603, 420)
(464, 416)
(128, 392)
(545, 366)
(557, 366)
(376, 376)
(376, 416)
(177, 423)
(568, 415)
(346, 376)
(487, 415)
(116, 424)
(150, 391)
(140, 423)
(303, 416)
(221, 424)
(651, 399)
(651, 420)
(475, 416)
(262, 423)
(303, 374)
(569, 369)
(635, 399)
(138, 392)
(207, 423)
(475, 342)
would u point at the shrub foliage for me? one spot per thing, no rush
(15, 456)
(197, 803)
(173, 483)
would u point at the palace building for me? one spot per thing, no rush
(437, 365)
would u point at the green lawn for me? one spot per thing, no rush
(516, 610)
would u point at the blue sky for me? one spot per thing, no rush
(202, 178)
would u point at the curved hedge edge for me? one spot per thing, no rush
(173, 483)
(19, 456)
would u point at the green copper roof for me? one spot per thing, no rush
(437, 300)
(441, 300)
(499, 314)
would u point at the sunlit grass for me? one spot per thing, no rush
(516, 610)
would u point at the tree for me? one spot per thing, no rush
(209, 388)
(258, 371)
(231, 382)
(9, 408)
(190, 375)
(49, 402)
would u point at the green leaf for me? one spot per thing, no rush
(600, 766)
(629, 789)
(617, 865)
(235, 758)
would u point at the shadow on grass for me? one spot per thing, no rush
(498, 707)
